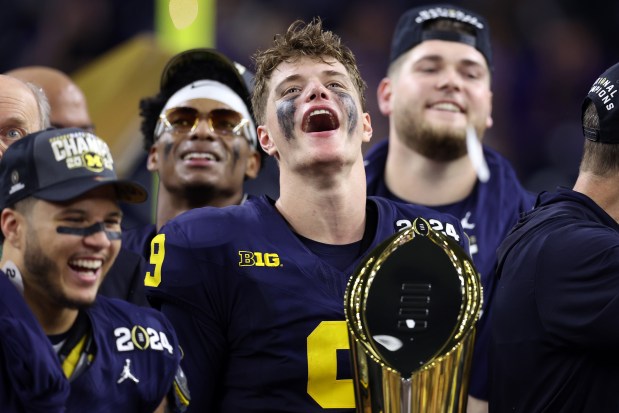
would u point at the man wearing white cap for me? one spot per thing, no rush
(200, 136)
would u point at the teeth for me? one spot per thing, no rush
(320, 112)
(446, 106)
(87, 264)
(200, 155)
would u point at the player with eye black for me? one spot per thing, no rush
(60, 222)
(200, 137)
(68, 109)
(256, 291)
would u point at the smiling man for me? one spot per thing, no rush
(61, 226)
(259, 288)
(200, 136)
(438, 99)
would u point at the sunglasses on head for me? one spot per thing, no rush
(185, 120)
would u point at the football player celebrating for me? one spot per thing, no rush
(256, 292)
(61, 226)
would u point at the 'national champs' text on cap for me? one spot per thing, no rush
(411, 29)
(603, 94)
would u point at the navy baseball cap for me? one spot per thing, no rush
(59, 165)
(603, 94)
(411, 29)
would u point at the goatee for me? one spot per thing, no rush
(438, 144)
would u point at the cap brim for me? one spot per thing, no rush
(126, 191)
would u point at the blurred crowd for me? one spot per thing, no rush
(546, 54)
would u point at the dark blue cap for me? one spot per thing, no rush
(603, 94)
(59, 165)
(411, 29)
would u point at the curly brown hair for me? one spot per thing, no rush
(301, 40)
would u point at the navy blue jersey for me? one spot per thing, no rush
(138, 239)
(125, 279)
(259, 316)
(31, 379)
(556, 311)
(136, 358)
(486, 215)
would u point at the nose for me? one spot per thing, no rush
(317, 91)
(450, 80)
(203, 130)
(97, 240)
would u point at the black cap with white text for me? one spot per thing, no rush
(603, 94)
(411, 29)
(59, 165)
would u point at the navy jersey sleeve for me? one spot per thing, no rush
(196, 310)
(125, 279)
(30, 375)
(578, 299)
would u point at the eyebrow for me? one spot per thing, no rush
(296, 77)
(439, 58)
(13, 119)
(112, 214)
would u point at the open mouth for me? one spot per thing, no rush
(447, 107)
(86, 266)
(195, 156)
(320, 120)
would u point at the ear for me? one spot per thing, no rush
(12, 224)
(266, 142)
(152, 161)
(383, 95)
(253, 164)
(367, 127)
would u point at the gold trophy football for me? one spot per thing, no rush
(411, 309)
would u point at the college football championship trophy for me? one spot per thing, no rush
(411, 309)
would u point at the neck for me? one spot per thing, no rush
(171, 204)
(328, 208)
(52, 320)
(602, 190)
(417, 179)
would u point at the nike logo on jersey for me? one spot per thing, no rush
(465, 221)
